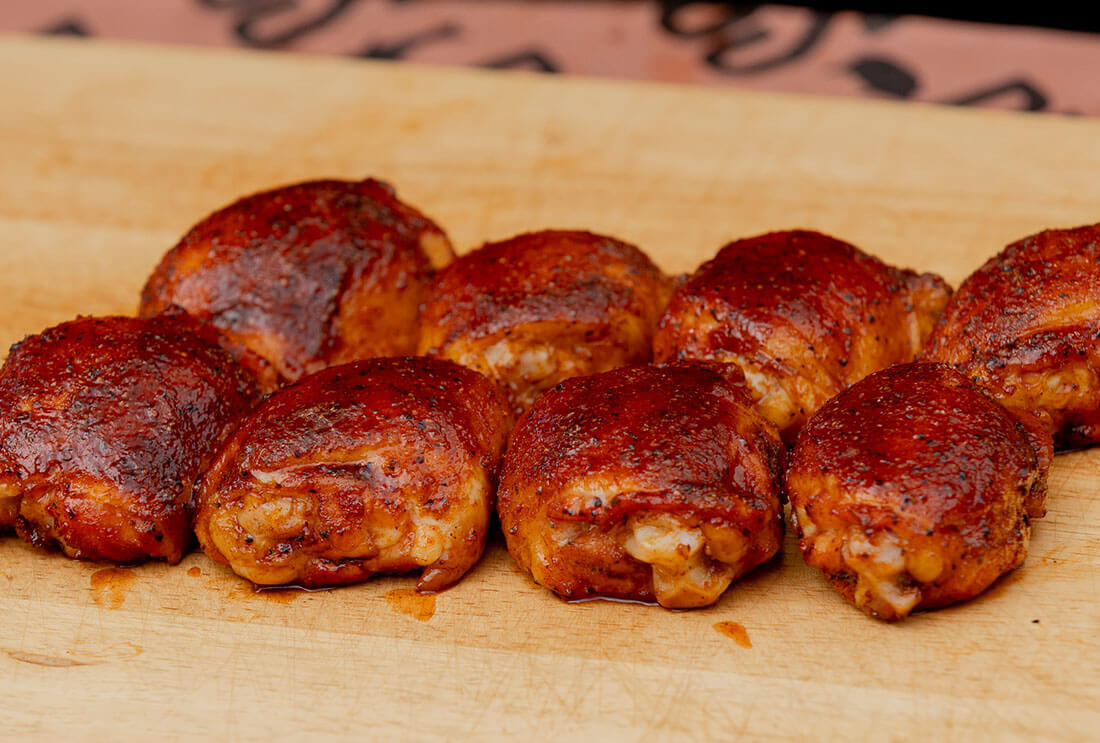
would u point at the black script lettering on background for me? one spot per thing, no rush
(732, 40)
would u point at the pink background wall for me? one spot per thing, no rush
(765, 47)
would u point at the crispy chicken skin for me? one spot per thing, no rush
(803, 315)
(645, 483)
(305, 276)
(1026, 327)
(105, 425)
(542, 307)
(913, 489)
(378, 466)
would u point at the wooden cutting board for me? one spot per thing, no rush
(109, 152)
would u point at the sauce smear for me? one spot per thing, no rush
(419, 606)
(735, 632)
(110, 586)
(280, 595)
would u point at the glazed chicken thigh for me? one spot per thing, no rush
(105, 425)
(913, 489)
(305, 276)
(803, 315)
(1026, 327)
(542, 307)
(379, 466)
(645, 483)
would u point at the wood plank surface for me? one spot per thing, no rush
(109, 152)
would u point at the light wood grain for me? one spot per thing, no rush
(108, 152)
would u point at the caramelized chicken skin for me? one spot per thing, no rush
(643, 483)
(803, 315)
(913, 489)
(378, 466)
(105, 425)
(542, 307)
(1026, 327)
(305, 276)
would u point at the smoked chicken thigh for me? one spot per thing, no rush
(645, 483)
(378, 466)
(542, 307)
(913, 489)
(803, 315)
(105, 425)
(1026, 327)
(305, 276)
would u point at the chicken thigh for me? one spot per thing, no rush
(378, 466)
(645, 483)
(105, 425)
(305, 276)
(542, 307)
(1026, 327)
(913, 489)
(803, 315)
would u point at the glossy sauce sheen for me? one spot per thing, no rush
(312, 481)
(809, 313)
(679, 439)
(1027, 317)
(305, 276)
(591, 300)
(920, 454)
(105, 425)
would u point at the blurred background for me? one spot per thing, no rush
(1033, 57)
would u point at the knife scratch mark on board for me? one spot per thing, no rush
(50, 661)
